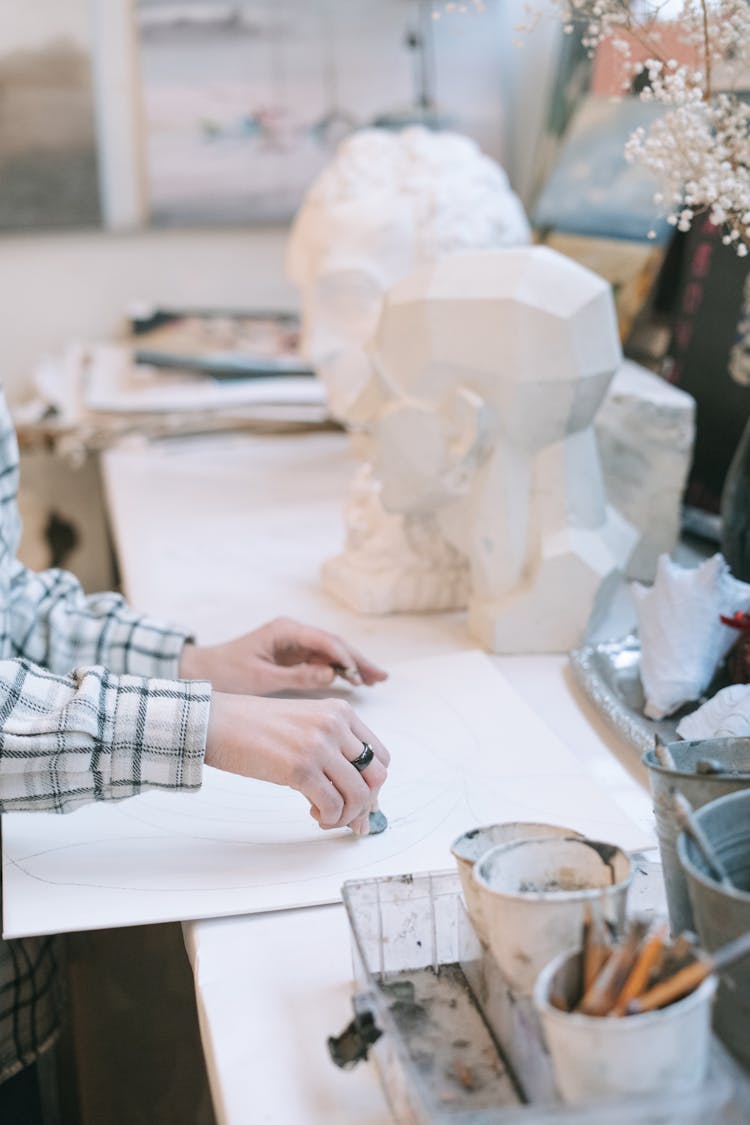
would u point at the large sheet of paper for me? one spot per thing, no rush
(467, 750)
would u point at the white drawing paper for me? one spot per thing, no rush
(466, 749)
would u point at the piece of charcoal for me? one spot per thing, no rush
(378, 822)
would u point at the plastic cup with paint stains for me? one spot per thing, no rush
(472, 845)
(664, 1052)
(536, 894)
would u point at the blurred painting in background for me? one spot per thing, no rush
(48, 173)
(245, 101)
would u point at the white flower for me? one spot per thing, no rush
(700, 147)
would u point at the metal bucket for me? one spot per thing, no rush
(723, 913)
(733, 754)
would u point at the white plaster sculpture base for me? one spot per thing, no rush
(545, 615)
(393, 563)
(645, 431)
(489, 369)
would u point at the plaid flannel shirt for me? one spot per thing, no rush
(90, 709)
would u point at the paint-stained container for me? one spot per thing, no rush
(732, 755)
(472, 845)
(535, 895)
(665, 1052)
(723, 913)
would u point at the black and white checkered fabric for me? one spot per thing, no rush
(90, 709)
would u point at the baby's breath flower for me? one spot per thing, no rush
(699, 148)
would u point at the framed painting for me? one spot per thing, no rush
(245, 102)
(48, 163)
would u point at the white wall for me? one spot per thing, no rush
(55, 288)
(31, 25)
(530, 66)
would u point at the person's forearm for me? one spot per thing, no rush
(54, 624)
(69, 740)
(192, 664)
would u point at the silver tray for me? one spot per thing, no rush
(609, 675)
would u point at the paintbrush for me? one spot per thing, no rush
(681, 953)
(637, 981)
(663, 754)
(596, 948)
(688, 979)
(601, 996)
(685, 817)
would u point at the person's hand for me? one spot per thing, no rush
(281, 656)
(308, 745)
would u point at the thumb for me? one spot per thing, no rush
(304, 677)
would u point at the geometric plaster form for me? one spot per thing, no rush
(645, 431)
(489, 370)
(387, 202)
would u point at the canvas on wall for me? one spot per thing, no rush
(246, 101)
(48, 171)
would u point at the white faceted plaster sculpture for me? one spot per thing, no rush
(645, 431)
(490, 368)
(388, 202)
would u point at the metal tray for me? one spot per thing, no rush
(609, 675)
(452, 1044)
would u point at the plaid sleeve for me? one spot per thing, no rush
(47, 618)
(53, 623)
(69, 740)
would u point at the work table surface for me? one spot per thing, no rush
(220, 534)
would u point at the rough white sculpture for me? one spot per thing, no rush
(645, 431)
(725, 715)
(680, 629)
(489, 370)
(393, 563)
(388, 202)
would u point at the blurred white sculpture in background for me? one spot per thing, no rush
(387, 203)
(488, 371)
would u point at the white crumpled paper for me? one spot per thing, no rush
(726, 715)
(682, 637)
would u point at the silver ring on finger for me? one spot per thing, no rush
(362, 762)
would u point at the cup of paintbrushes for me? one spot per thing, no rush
(472, 845)
(635, 1022)
(535, 895)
